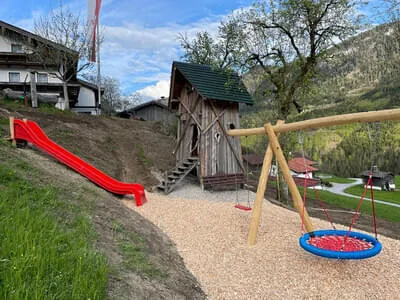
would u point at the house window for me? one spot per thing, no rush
(16, 48)
(14, 77)
(42, 78)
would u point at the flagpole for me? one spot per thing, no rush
(98, 65)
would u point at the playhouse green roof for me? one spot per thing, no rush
(214, 83)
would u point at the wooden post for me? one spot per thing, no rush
(12, 132)
(34, 99)
(262, 185)
(211, 124)
(297, 200)
(192, 115)
(363, 117)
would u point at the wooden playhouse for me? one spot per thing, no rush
(206, 100)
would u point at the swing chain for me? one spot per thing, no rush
(301, 142)
(247, 173)
(246, 178)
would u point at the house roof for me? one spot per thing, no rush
(300, 165)
(301, 155)
(35, 37)
(213, 83)
(158, 103)
(300, 181)
(90, 85)
(377, 174)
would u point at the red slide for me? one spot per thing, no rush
(31, 132)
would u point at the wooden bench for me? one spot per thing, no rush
(223, 181)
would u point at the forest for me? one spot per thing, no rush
(364, 76)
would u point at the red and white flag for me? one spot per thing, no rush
(93, 22)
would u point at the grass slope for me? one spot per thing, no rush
(393, 197)
(46, 244)
(382, 211)
(61, 237)
(336, 179)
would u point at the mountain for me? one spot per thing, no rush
(362, 75)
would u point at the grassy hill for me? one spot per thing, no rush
(62, 237)
(364, 75)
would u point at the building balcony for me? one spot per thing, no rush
(19, 59)
(73, 88)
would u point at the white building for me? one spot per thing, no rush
(87, 101)
(22, 72)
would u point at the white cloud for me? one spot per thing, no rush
(134, 36)
(153, 78)
(161, 88)
(137, 54)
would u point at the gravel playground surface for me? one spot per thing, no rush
(211, 236)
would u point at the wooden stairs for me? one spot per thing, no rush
(174, 176)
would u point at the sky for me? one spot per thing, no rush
(140, 37)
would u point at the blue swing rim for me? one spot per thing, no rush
(362, 254)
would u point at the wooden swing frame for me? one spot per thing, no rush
(274, 148)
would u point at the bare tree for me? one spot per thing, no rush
(112, 100)
(112, 95)
(69, 48)
(130, 101)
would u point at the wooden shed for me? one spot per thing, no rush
(207, 103)
(154, 110)
(380, 180)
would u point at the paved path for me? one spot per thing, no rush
(338, 188)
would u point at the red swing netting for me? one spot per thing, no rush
(339, 243)
(345, 243)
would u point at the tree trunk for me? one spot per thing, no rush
(66, 98)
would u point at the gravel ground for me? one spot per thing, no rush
(211, 236)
